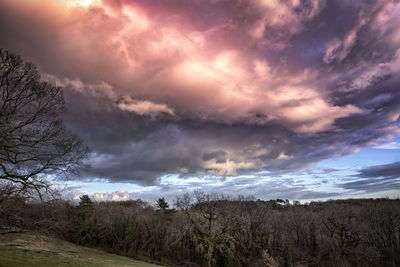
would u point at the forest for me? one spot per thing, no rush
(215, 230)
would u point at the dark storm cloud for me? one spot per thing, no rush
(216, 88)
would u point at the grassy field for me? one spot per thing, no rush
(29, 249)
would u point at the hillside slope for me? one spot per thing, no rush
(30, 249)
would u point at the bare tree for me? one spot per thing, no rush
(33, 141)
(211, 225)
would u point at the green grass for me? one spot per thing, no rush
(28, 249)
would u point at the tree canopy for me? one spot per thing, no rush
(34, 143)
(162, 204)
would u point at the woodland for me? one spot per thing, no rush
(215, 230)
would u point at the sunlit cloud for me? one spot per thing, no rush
(82, 3)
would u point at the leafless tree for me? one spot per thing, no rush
(33, 141)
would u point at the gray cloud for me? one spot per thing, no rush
(373, 185)
(377, 178)
(219, 155)
(387, 170)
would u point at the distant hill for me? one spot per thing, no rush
(20, 249)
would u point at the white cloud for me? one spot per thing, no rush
(391, 145)
(119, 195)
(228, 167)
(145, 107)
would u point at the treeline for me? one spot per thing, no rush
(214, 230)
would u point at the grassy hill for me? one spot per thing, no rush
(30, 249)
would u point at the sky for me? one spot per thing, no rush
(291, 99)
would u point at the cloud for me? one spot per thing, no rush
(277, 21)
(120, 195)
(388, 170)
(179, 68)
(172, 186)
(338, 50)
(219, 156)
(221, 88)
(372, 185)
(144, 107)
(376, 178)
(329, 170)
(107, 92)
(391, 145)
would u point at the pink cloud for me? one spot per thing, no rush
(144, 58)
(254, 64)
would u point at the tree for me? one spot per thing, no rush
(85, 202)
(34, 144)
(210, 223)
(82, 220)
(162, 204)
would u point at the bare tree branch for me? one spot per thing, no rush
(33, 141)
